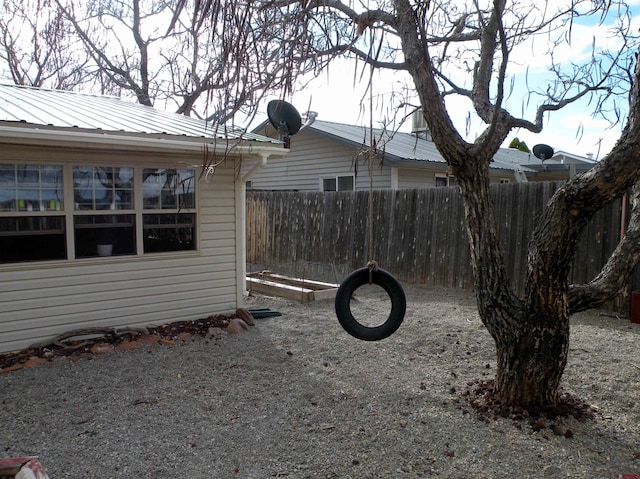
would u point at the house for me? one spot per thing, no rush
(115, 214)
(327, 156)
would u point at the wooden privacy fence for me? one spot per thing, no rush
(419, 235)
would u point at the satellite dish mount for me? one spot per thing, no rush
(285, 118)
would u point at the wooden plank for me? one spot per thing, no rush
(296, 293)
(304, 283)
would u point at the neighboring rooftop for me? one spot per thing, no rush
(405, 148)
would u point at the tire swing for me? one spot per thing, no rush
(370, 274)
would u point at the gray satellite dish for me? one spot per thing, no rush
(285, 118)
(544, 152)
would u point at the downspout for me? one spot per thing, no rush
(261, 163)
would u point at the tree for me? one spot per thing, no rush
(161, 53)
(519, 145)
(35, 46)
(465, 49)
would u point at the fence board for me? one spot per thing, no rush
(419, 235)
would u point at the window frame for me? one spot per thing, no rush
(450, 180)
(336, 178)
(69, 213)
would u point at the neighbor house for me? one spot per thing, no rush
(328, 156)
(116, 214)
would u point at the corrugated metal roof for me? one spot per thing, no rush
(70, 110)
(405, 148)
(399, 147)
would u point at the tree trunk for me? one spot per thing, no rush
(531, 335)
(530, 364)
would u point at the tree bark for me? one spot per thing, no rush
(531, 333)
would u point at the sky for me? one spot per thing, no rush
(340, 96)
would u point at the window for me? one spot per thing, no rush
(167, 194)
(442, 180)
(111, 210)
(99, 191)
(31, 216)
(338, 183)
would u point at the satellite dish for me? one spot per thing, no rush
(285, 118)
(544, 152)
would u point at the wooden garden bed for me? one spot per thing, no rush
(303, 290)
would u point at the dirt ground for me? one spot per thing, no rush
(295, 396)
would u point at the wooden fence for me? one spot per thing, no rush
(419, 235)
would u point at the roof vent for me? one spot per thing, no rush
(419, 125)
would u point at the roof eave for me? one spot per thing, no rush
(151, 142)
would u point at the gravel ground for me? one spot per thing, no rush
(297, 397)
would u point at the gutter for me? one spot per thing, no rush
(217, 146)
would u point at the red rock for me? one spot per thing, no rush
(246, 316)
(34, 361)
(237, 326)
(127, 346)
(102, 348)
(149, 339)
(8, 369)
(166, 342)
(184, 336)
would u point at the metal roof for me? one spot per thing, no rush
(79, 111)
(409, 148)
(399, 147)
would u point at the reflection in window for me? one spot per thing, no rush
(102, 188)
(32, 227)
(30, 187)
(168, 188)
(169, 232)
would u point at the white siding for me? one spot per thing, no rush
(315, 156)
(409, 178)
(41, 300)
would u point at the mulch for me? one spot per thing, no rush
(85, 343)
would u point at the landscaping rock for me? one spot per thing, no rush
(246, 316)
(237, 326)
(102, 348)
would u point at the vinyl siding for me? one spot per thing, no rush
(315, 156)
(41, 300)
(409, 178)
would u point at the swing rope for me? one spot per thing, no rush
(372, 264)
(372, 273)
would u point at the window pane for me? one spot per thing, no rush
(32, 238)
(329, 184)
(104, 235)
(168, 189)
(345, 183)
(169, 232)
(102, 188)
(30, 188)
(441, 181)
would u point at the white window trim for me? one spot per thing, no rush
(443, 176)
(68, 210)
(335, 177)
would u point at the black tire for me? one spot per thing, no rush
(343, 304)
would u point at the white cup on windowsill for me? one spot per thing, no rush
(105, 249)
